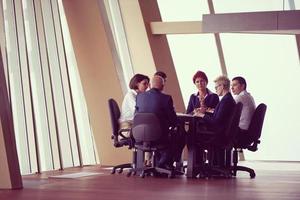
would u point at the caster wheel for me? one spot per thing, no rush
(252, 175)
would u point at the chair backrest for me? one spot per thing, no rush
(114, 112)
(233, 123)
(146, 127)
(257, 121)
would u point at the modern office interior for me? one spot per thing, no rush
(61, 60)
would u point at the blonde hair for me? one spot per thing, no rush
(224, 81)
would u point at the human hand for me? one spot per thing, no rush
(210, 110)
(198, 114)
(202, 109)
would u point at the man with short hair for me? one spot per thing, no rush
(161, 74)
(238, 88)
(154, 101)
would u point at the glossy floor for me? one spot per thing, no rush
(274, 180)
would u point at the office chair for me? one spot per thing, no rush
(219, 147)
(147, 132)
(117, 135)
(254, 130)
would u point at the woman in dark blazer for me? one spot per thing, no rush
(204, 100)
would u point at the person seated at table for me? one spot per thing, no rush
(238, 87)
(154, 101)
(218, 120)
(138, 83)
(204, 100)
(161, 74)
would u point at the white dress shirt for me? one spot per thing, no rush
(248, 108)
(128, 106)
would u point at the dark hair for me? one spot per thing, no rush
(200, 74)
(241, 81)
(136, 79)
(161, 74)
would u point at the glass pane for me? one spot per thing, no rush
(36, 68)
(191, 53)
(270, 64)
(178, 10)
(65, 82)
(296, 2)
(15, 60)
(56, 81)
(120, 41)
(40, 86)
(222, 6)
(88, 149)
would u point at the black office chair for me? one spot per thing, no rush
(147, 132)
(219, 148)
(117, 135)
(254, 130)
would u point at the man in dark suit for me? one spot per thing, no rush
(154, 101)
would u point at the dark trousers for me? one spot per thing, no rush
(175, 144)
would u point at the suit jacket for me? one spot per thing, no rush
(211, 101)
(154, 101)
(218, 121)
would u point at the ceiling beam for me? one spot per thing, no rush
(281, 22)
(184, 27)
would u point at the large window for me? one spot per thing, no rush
(50, 118)
(191, 53)
(272, 74)
(125, 71)
(270, 63)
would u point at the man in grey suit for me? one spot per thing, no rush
(154, 101)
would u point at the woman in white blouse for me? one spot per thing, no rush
(138, 83)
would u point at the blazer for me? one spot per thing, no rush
(211, 101)
(154, 101)
(217, 122)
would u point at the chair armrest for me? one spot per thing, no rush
(121, 131)
(253, 147)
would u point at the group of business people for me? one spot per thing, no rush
(214, 108)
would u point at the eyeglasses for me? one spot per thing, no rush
(216, 87)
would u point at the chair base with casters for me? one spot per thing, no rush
(215, 164)
(149, 137)
(118, 135)
(153, 169)
(119, 168)
(236, 168)
(251, 138)
(216, 148)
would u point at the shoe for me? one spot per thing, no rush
(147, 163)
(165, 166)
(161, 175)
